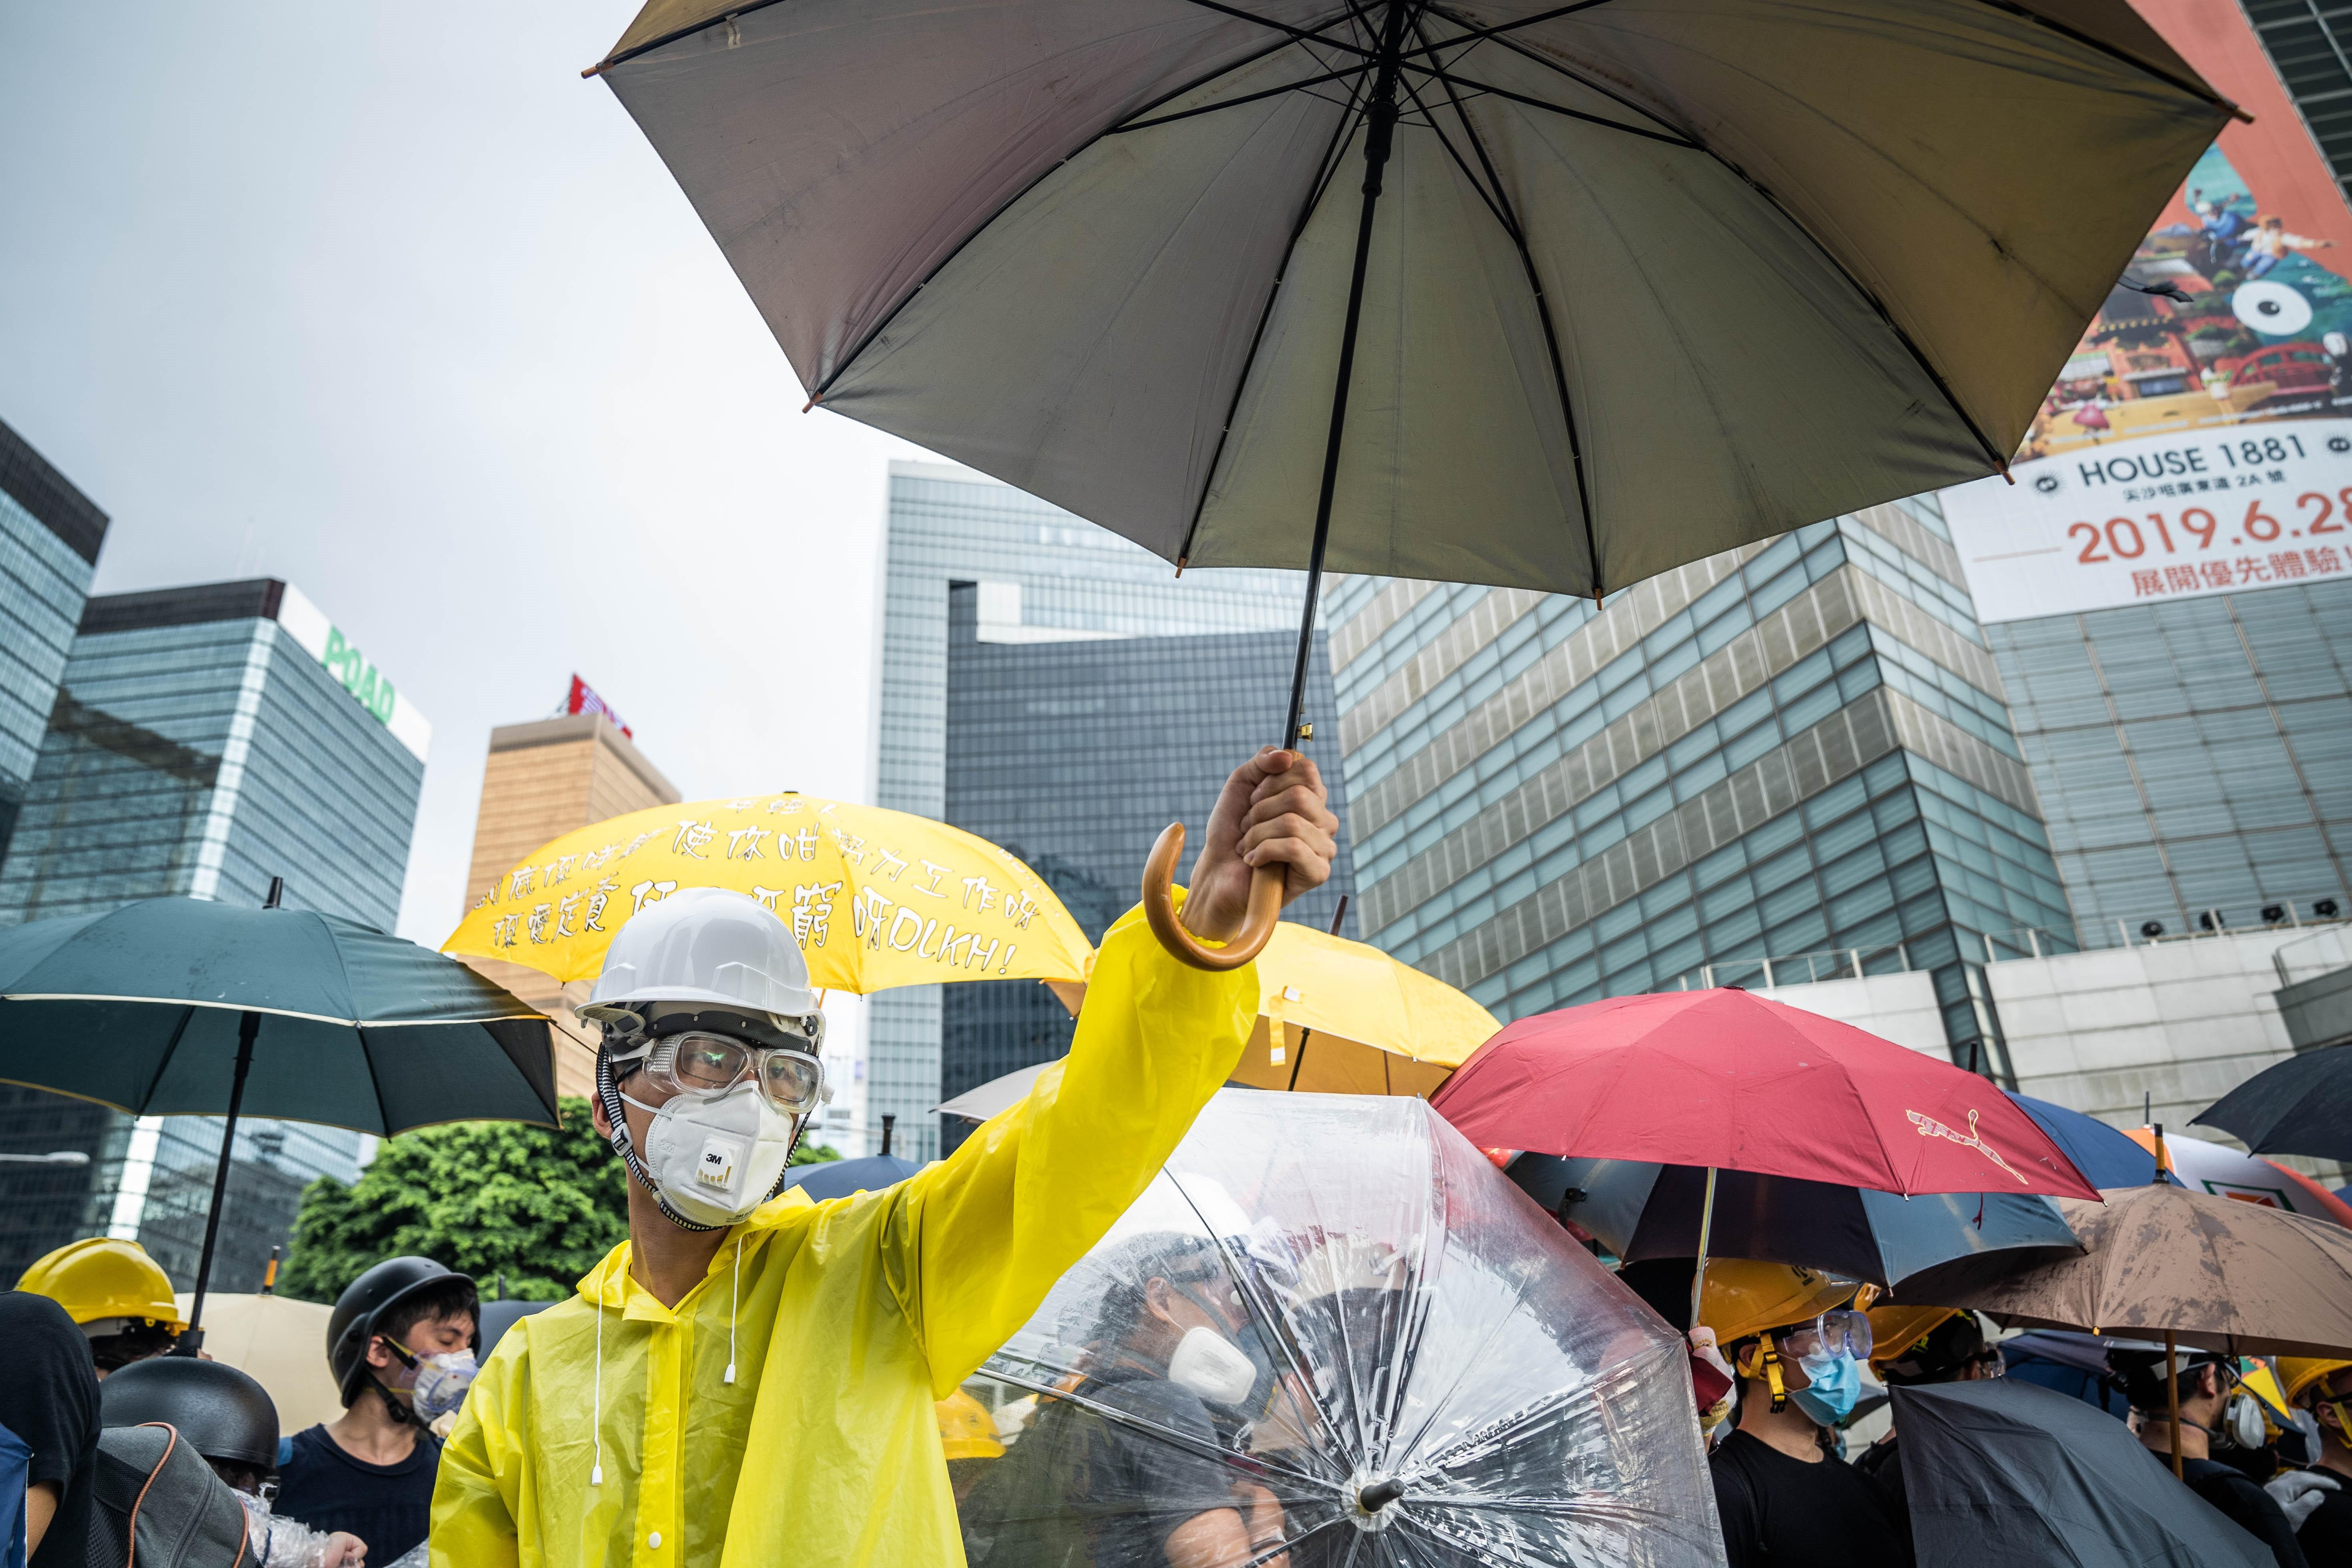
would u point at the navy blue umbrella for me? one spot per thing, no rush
(839, 1178)
(1643, 1211)
(2105, 1157)
(184, 1007)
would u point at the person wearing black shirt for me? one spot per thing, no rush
(1085, 1487)
(2205, 1379)
(1796, 1348)
(2325, 1389)
(48, 1399)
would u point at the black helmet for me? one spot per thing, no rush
(373, 1299)
(222, 1413)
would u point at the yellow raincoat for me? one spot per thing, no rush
(846, 1320)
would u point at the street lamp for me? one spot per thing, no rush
(59, 1157)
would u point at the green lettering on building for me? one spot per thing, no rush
(359, 677)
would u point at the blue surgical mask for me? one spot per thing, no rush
(1833, 1382)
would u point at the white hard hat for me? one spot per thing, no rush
(706, 946)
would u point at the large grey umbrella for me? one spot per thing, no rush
(2006, 1472)
(1590, 290)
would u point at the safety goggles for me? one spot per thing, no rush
(698, 1063)
(1841, 1332)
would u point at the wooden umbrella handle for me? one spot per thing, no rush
(1160, 909)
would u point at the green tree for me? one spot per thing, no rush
(538, 1206)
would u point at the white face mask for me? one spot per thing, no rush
(441, 1383)
(716, 1157)
(2242, 1421)
(1212, 1366)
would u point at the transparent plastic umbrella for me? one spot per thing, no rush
(1332, 1333)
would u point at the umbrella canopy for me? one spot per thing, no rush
(1336, 1016)
(877, 897)
(1412, 1365)
(2003, 1471)
(2106, 1156)
(1637, 282)
(1641, 1211)
(2299, 1106)
(1725, 1080)
(2211, 1167)
(280, 1343)
(142, 1009)
(997, 1094)
(839, 1178)
(2236, 1277)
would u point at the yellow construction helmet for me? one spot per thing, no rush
(103, 1279)
(1743, 1297)
(1894, 1329)
(967, 1431)
(2299, 1373)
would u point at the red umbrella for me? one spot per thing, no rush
(1732, 1082)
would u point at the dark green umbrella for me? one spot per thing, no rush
(165, 1007)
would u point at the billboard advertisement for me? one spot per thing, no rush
(2199, 439)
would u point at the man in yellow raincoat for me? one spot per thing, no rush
(761, 1391)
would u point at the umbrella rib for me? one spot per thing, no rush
(171, 1048)
(1479, 35)
(1236, 102)
(1297, 34)
(1868, 296)
(1333, 156)
(1451, 80)
(1203, 80)
(1508, 217)
(1022, 194)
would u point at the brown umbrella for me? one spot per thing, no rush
(2234, 1276)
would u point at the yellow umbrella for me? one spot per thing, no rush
(1336, 1016)
(877, 897)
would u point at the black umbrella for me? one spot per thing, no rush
(167, 1006)
(1643, 1211)
(839, 1178)
(2001, 1471)
(2300, 1106)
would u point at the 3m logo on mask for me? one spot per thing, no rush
(716, 1166)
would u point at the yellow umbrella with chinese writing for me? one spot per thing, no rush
(877, 897)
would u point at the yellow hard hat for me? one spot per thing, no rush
(967, 1431)
(103, 1276)
(1895, 1329)
(2299, 1373)
(1743, 1297)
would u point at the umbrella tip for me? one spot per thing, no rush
(277, 892)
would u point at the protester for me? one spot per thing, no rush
(48, 1399)
(121, 1298)
(1092, 1481)
(401, 1344)
(2205, 1379)
(2324, 1388)
(762, 1371)
(1797, 1349)
(230, 1420)
(1912, 1346)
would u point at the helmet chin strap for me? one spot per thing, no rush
(608, 1093)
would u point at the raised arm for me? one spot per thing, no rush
(986, 1233)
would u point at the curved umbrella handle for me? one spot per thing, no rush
(1160, 909)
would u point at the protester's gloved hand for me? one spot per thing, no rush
(2299, 1493)
(1703, 1353)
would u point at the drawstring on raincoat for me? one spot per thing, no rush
(734, 1310)
(596, 1471)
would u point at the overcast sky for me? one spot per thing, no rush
(387, 301)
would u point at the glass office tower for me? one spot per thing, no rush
(205, 740)
(1073, 756)
(2193, 759)
(50, 535)
(1040, 575)
(1789, 761)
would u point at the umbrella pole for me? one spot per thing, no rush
(1380, 117)
(1706, 1225)
(247, 1025)
(2172, 1395)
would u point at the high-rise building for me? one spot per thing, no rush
(205, 740)
(1042, 575)
(1795, 753)
(1073, 756)
(2310, 46)
(50, 537)
(543, 780)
